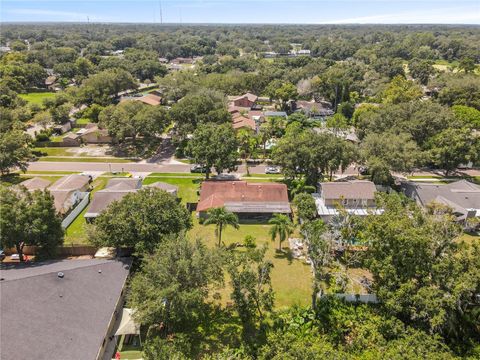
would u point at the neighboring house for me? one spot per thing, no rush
(90, 134)
(116, 189)
(182, 60)
(275, 114)
(50, 82)
(150, 99)
(357, 197)
(247, 100)
(312, 109)
(62, 128)
(462, 196)
(347, 134)
(247, 200)
(35, 183)
(68, 191)
(59, 310)
(171, 189)
(153, 99)
(240, 121)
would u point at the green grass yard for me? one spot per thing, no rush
(187, 187)
(37, 97)
(291, 278)
(83, 159)
(76, 232)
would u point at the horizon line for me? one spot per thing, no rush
(220, 23)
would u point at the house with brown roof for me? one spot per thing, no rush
(50, 81)
(247, 200)
(356, 197)
(35, 183)
(90, 134)
(116, 189)
(247, 100)
(150, 99)
(68, 191)
(240, 121)
(313, 109)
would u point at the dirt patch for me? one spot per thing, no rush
(90, 151)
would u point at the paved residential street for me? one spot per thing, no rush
(113, 167)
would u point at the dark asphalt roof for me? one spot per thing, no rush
(47, 317)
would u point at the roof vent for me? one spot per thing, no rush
(100, 271)
(60, 274)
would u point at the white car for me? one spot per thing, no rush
(272, 170)
(14, 257)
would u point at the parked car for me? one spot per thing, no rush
(198, 169)
(14, 257)
(225, 177)
(363, 170)
(2, 255)
(272, 170)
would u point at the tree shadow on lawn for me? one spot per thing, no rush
(141, 148)
(284, 254)
(12, 179)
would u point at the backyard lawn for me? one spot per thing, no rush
(37, 97)
(76, 232)
(291, 278)
(187, 187)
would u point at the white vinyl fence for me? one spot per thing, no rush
(77, 210)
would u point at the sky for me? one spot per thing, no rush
(244, 11)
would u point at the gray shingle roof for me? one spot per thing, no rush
(47, 317)
(463, 193)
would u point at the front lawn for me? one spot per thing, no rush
(83, 159)
(37, 97)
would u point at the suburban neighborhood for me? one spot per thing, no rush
(238, 191)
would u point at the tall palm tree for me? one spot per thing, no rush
(221, 218)
(282, 226)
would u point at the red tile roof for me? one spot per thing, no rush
(240, 121)
(151, 99)
(216, 193)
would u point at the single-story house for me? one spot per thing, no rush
(247, 100)
(50, 81)
(90, 134)
(169, 188)
(66, 309)
(182, 60)
(240, 121)
(35, 183)
(68, 191)
(316, 110)
(275, 114)
(462, 196)
(357, 197)
(150, 99)
(116, 189)
(247, 200)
